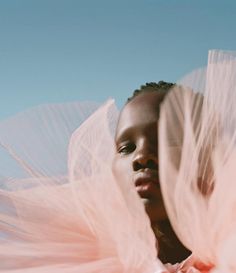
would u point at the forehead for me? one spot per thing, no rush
(141, 111)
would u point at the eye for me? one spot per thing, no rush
(126, 148)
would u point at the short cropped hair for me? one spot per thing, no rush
(160, 87)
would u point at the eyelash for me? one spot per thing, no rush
(126, 148)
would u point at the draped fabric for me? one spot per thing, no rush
(197, 145)
(61, 208)
(63, 211)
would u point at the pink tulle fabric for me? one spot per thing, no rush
(75, 220)
(63, 211)
(197, 146)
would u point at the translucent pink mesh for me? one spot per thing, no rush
(197, 149)
(63, 211)
(60, 215)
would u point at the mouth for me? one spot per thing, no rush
(147, 184)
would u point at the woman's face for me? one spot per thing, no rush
(136, 159)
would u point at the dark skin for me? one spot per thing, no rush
(136, 161)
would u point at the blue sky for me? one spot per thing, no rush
(66, 50)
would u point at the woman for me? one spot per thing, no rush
(92, 220)
(136, 161)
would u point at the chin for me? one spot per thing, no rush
(155, 211)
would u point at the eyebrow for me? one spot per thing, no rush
(124, 134)
(128, 131)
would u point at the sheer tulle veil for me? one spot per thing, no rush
(61, 208)
(63, 211)
(197, 138)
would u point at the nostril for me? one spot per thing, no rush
(151, 164)
(137, 166)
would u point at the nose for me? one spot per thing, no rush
(145, 157)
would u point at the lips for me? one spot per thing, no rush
(147, 183)
(145, 176)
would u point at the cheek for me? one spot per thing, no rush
(121, 168)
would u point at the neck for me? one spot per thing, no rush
(170, 249)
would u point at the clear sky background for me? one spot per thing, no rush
(66, 50)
